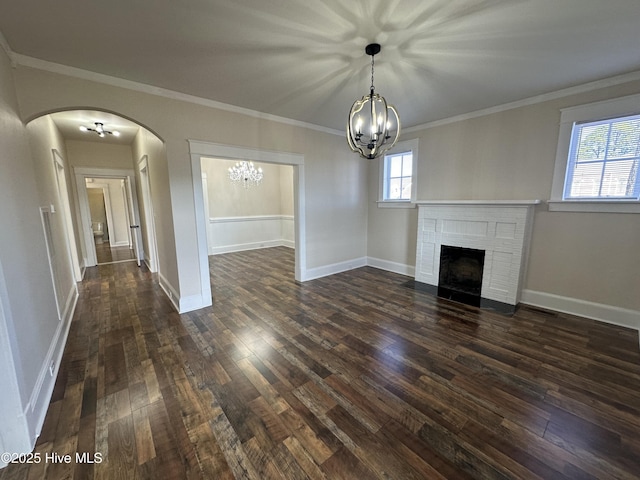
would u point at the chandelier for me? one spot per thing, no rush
(100, 130)
(373, 126)
(246, 174)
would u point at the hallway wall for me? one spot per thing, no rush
(149, 145)
(28, 315)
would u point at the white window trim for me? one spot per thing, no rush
(618, 107)
(404, 146)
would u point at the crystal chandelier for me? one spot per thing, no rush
(246, 174)
(373, 126)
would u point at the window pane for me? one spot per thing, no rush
(586, 180)
(395, 188)
(406, 189)
(623, 142)
(407, 165)
(592, 142)
(617, 181)
(396, 166)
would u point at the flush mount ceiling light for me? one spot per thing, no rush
(100, 130)
(246, 174)
(373, 126)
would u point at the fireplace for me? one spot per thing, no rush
(460, 276)
(500, 229)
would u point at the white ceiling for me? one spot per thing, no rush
(305, 60)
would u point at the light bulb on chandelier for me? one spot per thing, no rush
(99, 130)
(246, 174)
(380, 120)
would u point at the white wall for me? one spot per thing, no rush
(147, 144)
(28, 317)
(96, 154)
(43, 138)
(248, 218)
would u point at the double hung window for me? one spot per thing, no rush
(603, 160)
(397, 175)
(598, 158)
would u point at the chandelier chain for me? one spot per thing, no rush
(372, 89)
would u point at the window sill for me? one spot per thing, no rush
(395, 204)
(602, 206)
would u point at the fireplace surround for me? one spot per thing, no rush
(501, 229)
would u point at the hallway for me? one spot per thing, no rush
(349, 376)
(107, 254)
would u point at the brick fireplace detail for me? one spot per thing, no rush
(502, 229)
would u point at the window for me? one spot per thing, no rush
(397, 171)
(603, 160)
(598, 158)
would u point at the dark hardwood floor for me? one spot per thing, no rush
(105, 253)
(352, 376)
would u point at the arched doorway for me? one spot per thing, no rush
(105, 146)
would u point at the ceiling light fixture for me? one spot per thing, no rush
(373, 126)
(246, 174)
(100, 130)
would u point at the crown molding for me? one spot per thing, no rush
(36, 63)
(545, 97)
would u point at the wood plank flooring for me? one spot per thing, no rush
(352, 376)
(105, 253)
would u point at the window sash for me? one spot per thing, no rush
(398, 176)
(604, 159)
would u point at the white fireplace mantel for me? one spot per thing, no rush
(502, 228)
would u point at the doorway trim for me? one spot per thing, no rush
(149, 216)
(198, 150)
(81, 174)
(64, 193)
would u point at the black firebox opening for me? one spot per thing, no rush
(460, 276)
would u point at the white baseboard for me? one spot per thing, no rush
(236, 234)
(326, 270)
(36, 409)
(193, 302)
(182, 304)
(124, 243)
(400, 268)
(574, 306)
(169, 291)
(241, 247)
